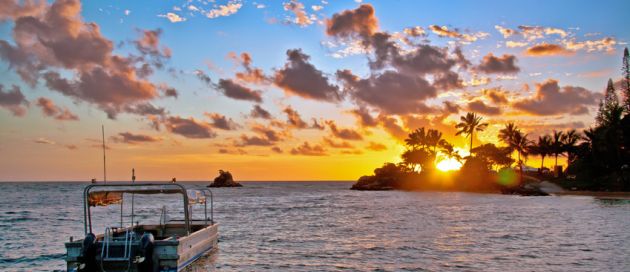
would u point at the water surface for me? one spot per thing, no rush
(322, 226)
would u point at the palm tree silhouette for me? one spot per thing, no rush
(470, 123)
(556, 145)
(521, 144)
(543, 149)
(569, 140)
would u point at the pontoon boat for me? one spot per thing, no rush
(170, 245)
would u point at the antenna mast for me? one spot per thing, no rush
(104, 167)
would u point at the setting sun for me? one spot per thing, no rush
(448, 165)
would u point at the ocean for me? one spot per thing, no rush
(323, 226)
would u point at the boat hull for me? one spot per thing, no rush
(171, 254)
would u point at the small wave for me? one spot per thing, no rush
(30, 259)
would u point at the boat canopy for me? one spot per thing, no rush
(108, 194)
(114, 195)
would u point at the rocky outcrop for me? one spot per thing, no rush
(384, 178)
(525, 190)
(224, 180)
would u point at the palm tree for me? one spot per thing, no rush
(470, 123)
(449, 151)
(506, 134)
(543, 148)
(569, 140)
(521, 144)
(416, 139)
(556, 145)
(433, 139)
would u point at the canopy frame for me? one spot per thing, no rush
(146, 188)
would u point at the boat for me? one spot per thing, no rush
(170, 245)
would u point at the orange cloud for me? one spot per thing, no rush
(547, 49)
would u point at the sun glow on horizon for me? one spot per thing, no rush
(449, 164)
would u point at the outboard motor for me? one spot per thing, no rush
(88, 252)
(147, 245)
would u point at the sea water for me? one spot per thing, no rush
(323, 226)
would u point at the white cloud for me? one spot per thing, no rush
(228, 9)
(513, 44)
(174, 18)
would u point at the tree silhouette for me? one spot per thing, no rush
(625, 69)
(556, 145)
(470, 123)
(569, 140)
(609, 106)
(542, 148)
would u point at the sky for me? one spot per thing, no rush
(286, 90)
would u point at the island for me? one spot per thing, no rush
(224, 180)
(597, 158)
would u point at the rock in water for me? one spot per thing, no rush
(224, 180)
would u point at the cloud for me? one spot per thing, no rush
(189, 128)
(301, 78)
(169, 91)
(254, 140)
(266, 136)
(219, 121)
(259, 112)
(538, 32)
(403, 93)
(42, 140)
(228, 9)
(71, 147)
(294, 119)
(277, 150)
(203, 77)
(57, 41)
(51, 110)
(513, 44)
(130, 138)
(505, 64)
(443, 31)
(172, 17)
(10, 10)
(360, 21)
(251, 74)
(497, 96)
(307, 150)
(416, 31)
(374, 146)
(606, 44)
(550, 99)
(506, 32)
(149, 46)
(548, 49)
(343, 133)
(301, 17)
(343, 144)
(480, 107)
(13, 100)
(392, 127)
(477, 81)
(400, 79)
(237, 91)
(364, 117)
(317, 7)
